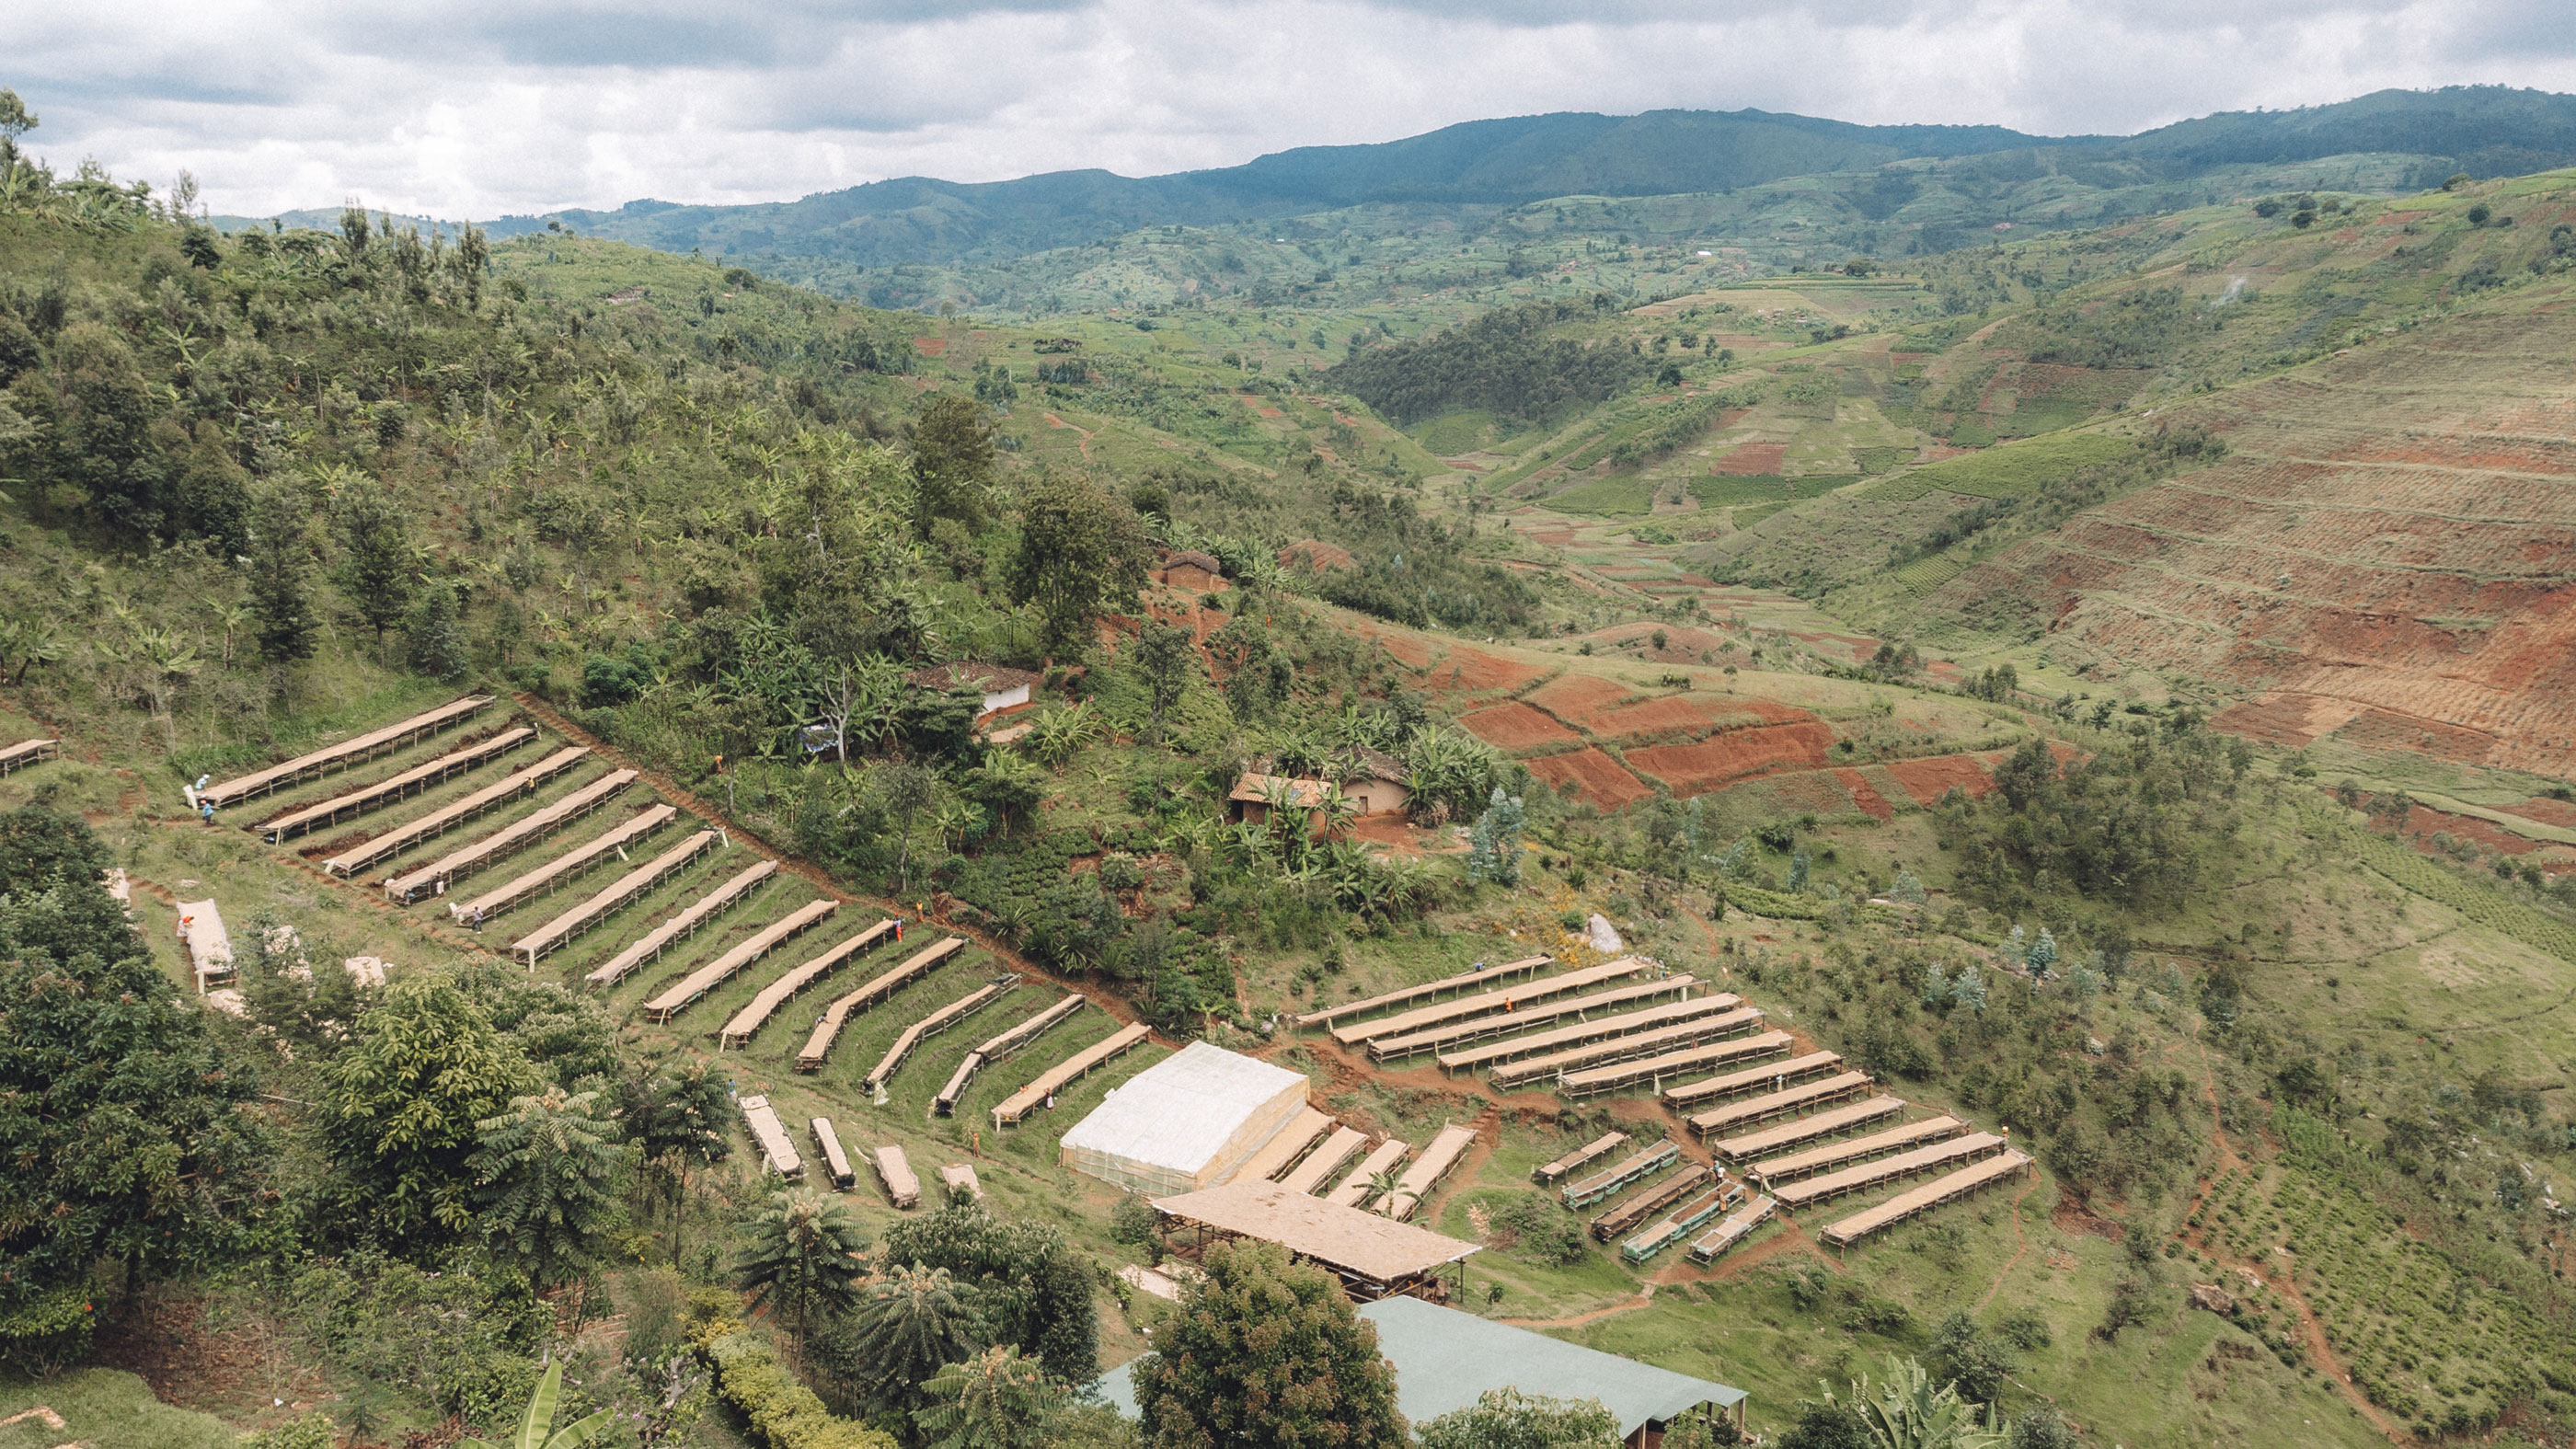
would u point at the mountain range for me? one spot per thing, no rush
(2485, 130)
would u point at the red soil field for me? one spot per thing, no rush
(1556, 536)
(1573, 696)
(1865, 797)
(1315, 555)
(1597, 775)
(2546, 811)
(1476, 672)
(1928, 780)
(1697, 768)
(1697, 712)
(1753, 460)
(1516, 726)
(2423, 821)
(930, 346)
(1822, 791)
(1408, 651)
(2389, 534)
(2286, 718)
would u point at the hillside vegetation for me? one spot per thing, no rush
(2088, 682)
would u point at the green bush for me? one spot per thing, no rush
(783, 1413)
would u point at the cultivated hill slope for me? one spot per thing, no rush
(2388, 551)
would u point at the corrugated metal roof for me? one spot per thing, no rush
(1180, 1111)
(1444, 1359)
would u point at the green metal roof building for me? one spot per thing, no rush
(1445, 1359)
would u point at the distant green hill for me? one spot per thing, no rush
(1981, 175)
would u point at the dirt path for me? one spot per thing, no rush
(1645, 1299)
(2021, 1244)
(1087, 435)
(2311, 1329)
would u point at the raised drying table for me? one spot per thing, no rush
(448, 817)
(705, 908)
(747, 1022)
(393, 787)
(1825, 1124)
(344, 754)
(562, 868)
(616, 896)
(1072, 1069)
(998, 1046)
(1524, 1019)
(1447, 1146)
(1923, 1199)
(1623, 1075)
(1855, 1149)
(914, 1035)
(706, 978)
(1426, 990)
(510, 839)
(1465, 1007)
(921, 963)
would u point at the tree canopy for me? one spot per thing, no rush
(1266, 1352)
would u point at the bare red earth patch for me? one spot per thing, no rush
(1753, 460)
(2546, 811)
(1476, 672)
(1595, 774)
(930, 346)
(1516, 726)
(1928, 780)
(1867, 799)
(1694, 769)
(1573, 696)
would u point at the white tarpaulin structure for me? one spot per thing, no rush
(1185, 1123)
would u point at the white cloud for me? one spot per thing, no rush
(478, 107)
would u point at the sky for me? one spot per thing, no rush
(480, 108)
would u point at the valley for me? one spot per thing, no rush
(2104, 685)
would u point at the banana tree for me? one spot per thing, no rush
(537, 1429)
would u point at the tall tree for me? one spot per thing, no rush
(1031, 1285)
(103, 441)
(952, 460)
(1167, 661)
(402, 1101)
(547, 1169)
(1082, 551)
(375, 554)
(123, 1125)
(912, 1322)
(1266, 1351)
(800, 1255)
(994, 1400)
(433, 642)
(281, 592)
(904, 788)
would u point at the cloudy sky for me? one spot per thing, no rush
(475, 108)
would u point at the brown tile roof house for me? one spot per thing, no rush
(1377, 787)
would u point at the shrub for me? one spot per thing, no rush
(783, 1413)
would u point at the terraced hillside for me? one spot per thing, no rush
(2388, 553)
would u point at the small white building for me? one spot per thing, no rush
(1185, 1123)
(1005, 689)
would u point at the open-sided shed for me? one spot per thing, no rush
(1185, 1123)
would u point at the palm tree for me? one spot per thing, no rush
(1907, 1412)
(995, 1400)
(546, 1166)
(1382, 1184)
(913, 1321)
(537, 1428)
(802, 1254)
